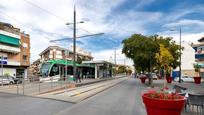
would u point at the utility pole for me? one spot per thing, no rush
(180, 52)
(74, 44)
(2, 57)
(115, 56)
(74, 39)
(180, 55)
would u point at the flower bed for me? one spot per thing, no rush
(143, 78)
(169, 79)
(197, 80)
(162, 103)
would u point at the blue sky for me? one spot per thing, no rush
(118, 19)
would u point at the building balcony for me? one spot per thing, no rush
(9, 49)
(9, 38)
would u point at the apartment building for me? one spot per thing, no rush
(199, 55)
(14, 51)
(59, 53)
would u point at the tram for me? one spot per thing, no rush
(59, 69)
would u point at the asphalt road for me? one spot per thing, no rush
(11, 104)
(122, 99)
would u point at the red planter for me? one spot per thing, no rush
(162, 106)
(169, 79)
(143, 79)
(160, 77)
(197, 80)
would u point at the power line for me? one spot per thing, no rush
(31, 3)
(26, 26)
(47, 11)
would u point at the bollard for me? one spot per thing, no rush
(23, 85)
(39, 86)
(65, 82)
(17, 88)
(51, 83)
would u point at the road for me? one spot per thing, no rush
(12, 104)
(123, 99)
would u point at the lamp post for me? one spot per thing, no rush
(74, 44)
(180, 53)
(2, 57)
(74, 39)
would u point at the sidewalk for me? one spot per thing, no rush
(78, 94)
(191, 88)
(35, 88)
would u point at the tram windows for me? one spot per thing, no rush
(54, 70)
(45, 69)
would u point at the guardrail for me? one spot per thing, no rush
(34, 85)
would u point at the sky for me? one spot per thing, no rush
(46, 20)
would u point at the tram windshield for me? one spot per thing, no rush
(45, 69)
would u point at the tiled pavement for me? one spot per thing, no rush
(191, 88)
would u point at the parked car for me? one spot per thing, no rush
(17, 80)
(185, 79)
(154, 76)
(6, 80)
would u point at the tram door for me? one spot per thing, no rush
(61, 71)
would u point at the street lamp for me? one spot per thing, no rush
(180, 52)
(74, 39)
(2, 71)
(74, 43)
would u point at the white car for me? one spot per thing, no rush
(185, 79)
(6, 80)
(154, 76)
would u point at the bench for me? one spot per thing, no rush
(179, 89)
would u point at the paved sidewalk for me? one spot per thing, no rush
(191, 88)
(32, 89)
(78, 94)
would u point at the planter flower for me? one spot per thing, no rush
(169, 79)
(163, 103)
(197, 80)
(143, 78)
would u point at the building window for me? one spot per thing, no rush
(25, 57)
(25, 45)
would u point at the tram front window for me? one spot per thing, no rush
(45, 69)
(54, 70)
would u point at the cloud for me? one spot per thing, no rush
(186, 22)
(187, 37)
(46, 22)
(108, 55)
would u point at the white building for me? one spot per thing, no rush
(187, 60)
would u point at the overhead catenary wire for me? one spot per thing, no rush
(51, 13)
(17, 21)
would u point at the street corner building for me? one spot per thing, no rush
(14, 51)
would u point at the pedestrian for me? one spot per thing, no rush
(78, 76)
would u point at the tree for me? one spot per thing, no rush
(164, 57)
(173, 49)
(121, 69)
(141, 49)
(80, 59)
